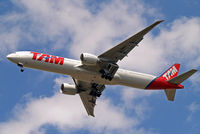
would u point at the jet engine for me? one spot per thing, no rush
(89, 59)
(68, 89)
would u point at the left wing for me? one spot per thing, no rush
(88, 93)
(121, 50)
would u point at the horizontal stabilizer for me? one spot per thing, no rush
(170, 93)
(179, 79)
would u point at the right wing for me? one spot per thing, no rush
(121, 50)
(88, 94)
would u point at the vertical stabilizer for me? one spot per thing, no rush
(171, 72)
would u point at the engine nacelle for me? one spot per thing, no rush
(68, 89)
(89, 59)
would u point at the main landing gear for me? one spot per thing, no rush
(105, 74)
(22, 66)
(96, 90)
(109, 71)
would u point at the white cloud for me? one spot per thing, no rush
(178, 42)
(181, 40)
(66, 20)
(9, 40)
(68, 114)
(195, 81)
(130, 94)
(193, 109)
(71, 26)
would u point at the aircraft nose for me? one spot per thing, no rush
(12, 57)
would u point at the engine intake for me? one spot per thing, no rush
(68, 89)
(89, 59)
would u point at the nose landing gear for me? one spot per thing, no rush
(22, 66)
(22, 70)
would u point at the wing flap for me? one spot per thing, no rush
(88, 102)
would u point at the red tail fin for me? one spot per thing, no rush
(162, 81)
(171, 72)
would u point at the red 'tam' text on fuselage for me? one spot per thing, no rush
(48, 58)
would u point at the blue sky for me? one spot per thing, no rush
(30, 102)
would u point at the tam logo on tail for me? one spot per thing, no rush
(171, 72)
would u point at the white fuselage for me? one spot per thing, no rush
(74, 69)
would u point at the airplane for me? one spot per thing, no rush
(92, 72)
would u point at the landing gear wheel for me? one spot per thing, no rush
(103, 75)
(106, 77)
(21, 66)
(95, 93)
(98, 94)
(110, 78)
(22, 70)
